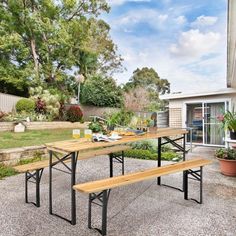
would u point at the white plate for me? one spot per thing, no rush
(115, 137)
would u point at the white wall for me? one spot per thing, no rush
(231, 53)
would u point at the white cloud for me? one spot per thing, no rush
(192, 60)
(203, 21)
(148, 16)
(193, 43)
(120, 2)
(180, 20)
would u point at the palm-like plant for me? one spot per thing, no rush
(229, 121)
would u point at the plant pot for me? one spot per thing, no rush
(228, 167)
(232, 135)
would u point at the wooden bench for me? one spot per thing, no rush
(100, 189)
(34, 171)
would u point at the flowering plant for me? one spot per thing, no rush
(228, 120)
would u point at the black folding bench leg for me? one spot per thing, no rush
(34, 177)
(102, 199)
(194, 175)
(117, 159)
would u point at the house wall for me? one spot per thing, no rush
(231, 50)
(177, 113)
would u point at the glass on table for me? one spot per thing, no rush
(76, 133)
(88, 134)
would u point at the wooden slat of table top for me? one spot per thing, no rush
(109, 183)
(79, 145)
(82, 156)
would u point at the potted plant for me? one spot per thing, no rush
(96, 127)
(227, 159)
(229, 122)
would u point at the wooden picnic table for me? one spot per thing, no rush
(71, 149)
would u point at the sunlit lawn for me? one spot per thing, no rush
(34, 137)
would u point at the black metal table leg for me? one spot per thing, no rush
(118, 159)
(123, 162)
(90, 212)
(185, 184)
(37, 188)
(50, 182)
(159, 159)
(201, 184)
(26, 187)
(73, 201)
(104, 212)
(111, 164)
(102, 201)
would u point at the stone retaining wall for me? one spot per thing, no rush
(8, 126)
(14, 155)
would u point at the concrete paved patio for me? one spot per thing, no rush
(135, 210)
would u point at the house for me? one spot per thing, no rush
(199, 111)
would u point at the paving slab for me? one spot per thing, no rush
(141, 209)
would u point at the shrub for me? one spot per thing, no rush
(25, 104)
(40, 106)
(147, 155)
(96, 127)
(226, 153)
(6, 171)
(74, 113)
(144, 145)
(51, 101)
(99, 91)
(122, 117)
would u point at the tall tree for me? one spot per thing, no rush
(148, 79)
(42, 41)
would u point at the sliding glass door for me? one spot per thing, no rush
(194, 121)
(202, 119)
(213, 132)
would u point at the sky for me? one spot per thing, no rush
(183, 40)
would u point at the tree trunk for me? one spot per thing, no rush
(35, 57)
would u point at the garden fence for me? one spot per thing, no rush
(8, 102)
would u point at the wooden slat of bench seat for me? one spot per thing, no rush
(82, 156)
(109, 183)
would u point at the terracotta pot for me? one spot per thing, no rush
(228, 167)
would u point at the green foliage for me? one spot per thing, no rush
(145, 145)
(101, 92)
(141, 154)
(229, 121)
(33, 116)
(6, 171)
(43, 41)
(122, 117)
(52, 101)
(96, 127)
(147, 155)
(37, 157)
(226, 153)
(148, 79)
(170, 156)
(74, 114)
(25, 105)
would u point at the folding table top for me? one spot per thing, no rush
(77, 145)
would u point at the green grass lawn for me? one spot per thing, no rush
(33, 137)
